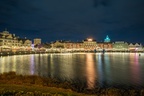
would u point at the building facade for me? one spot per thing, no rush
(120, 46)
(135, 47)
(107, 46)
(10, 42)
(89, 44)
(37, 41)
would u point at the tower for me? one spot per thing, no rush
(37, 41)
(107, 39)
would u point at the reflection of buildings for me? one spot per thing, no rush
(135, 69)
(10, 42)
(90, 71)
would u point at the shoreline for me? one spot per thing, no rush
(32, 52)
(35, 82)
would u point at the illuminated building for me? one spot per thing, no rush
(10, 42)
(120, 46)
(107, 46)
(89, 44)
(58, 44)
(37, 41)
(135, 47)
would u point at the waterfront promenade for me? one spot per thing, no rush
(46, 52)
(20, 53)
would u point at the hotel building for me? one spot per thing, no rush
(120, 46)
(135, 47)
(89, 44)
(10, 42)
(106, 45)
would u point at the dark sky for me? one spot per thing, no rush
(74, 19)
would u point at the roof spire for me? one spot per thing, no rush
(107, 39)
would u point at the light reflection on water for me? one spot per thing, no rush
(96, 70)
(90, 71)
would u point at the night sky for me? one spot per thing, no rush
(74, 19)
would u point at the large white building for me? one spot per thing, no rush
(10, 42)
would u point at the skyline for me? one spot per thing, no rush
(105, 40)
(122, 20)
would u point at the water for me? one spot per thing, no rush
(93, 70)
